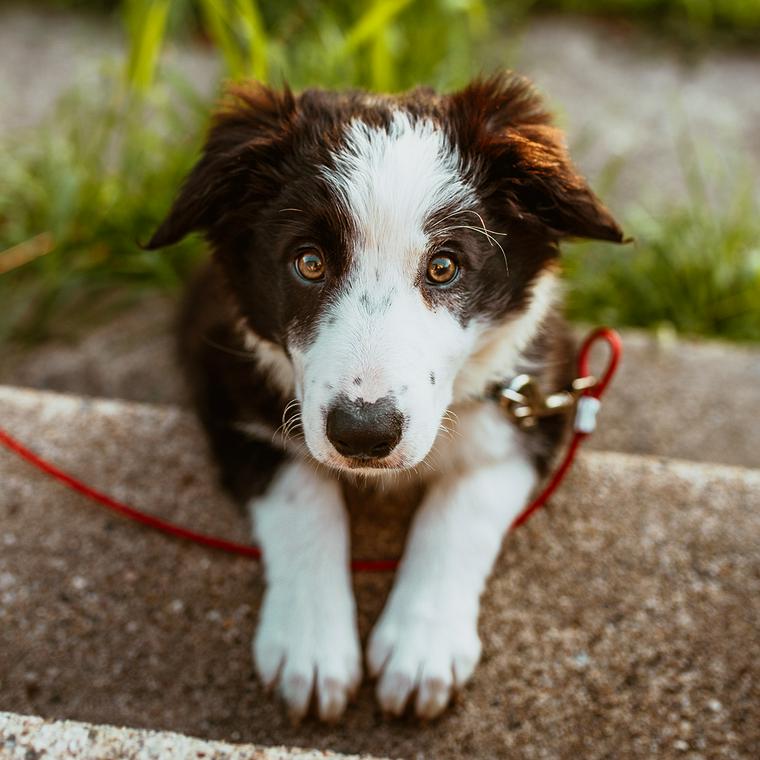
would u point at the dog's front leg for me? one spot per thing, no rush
(426, 639)
(307, 638)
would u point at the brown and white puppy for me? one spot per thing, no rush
(380, 264)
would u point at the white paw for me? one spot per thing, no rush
(432, 655)
(306, 646)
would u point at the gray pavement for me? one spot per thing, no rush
(24, 737)
(621, 622)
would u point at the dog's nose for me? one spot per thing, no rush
(362, 430)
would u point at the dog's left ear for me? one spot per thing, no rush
(525, 160)
(239, 162)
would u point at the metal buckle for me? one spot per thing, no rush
(524, 403)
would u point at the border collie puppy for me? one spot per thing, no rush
(380, 265)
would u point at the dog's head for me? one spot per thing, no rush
(397, 250)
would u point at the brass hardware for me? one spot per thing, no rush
(524, 403)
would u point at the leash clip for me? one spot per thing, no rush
(525, 404)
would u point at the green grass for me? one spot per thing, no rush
(93, 181)
(379, 44)
(694, 268)
(103, 170)
(693, 22)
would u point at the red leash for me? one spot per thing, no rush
(584, 423)
(587, 404)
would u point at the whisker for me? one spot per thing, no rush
(453, 430)
(446, 431)
(287, 420)
(469, 211)
(490, 235)
(426, 463)
(288, 407)
(288, 426)
(292, 425)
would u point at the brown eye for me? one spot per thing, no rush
(441, 269)
(310, 265)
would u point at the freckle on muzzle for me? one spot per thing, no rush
(363, 430)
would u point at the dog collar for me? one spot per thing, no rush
(525, 404)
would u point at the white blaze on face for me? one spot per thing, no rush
(380, 338)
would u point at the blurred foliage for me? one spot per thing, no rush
(688, 21)
(381, 44)
(80, 191)
(694, 267)
(92, 181)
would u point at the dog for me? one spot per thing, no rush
(380, 265)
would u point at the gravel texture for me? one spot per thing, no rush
(24, 737)
(682, 399)
(620, 622)
(130, 357)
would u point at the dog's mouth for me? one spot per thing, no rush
(372, 466)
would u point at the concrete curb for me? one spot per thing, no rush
(620, 622)
(23, 737)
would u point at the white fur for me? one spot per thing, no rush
(391, 180)
(307, 639)
(380, 329)
(426, 640)
(354, 343)
(393, 353)
(271, 358)
(499, 349)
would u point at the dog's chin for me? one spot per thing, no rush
(371, 468)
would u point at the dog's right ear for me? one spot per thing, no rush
(238, 161)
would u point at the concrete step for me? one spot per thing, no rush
(620, 622)
(680, 399)
(684, 399)
(24, 736)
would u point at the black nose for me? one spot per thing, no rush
(364, 431)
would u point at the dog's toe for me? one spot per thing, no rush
(296, 686)
(378, 652)
(431, 658)
(433, 695)
(332, 697)
(463, 665)
(325, 665)
(268, 658)
(393, 690)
